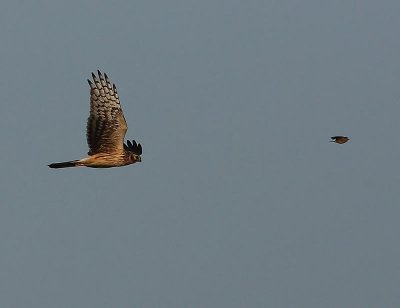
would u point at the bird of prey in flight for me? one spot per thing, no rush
(105, 130)
(340, 139)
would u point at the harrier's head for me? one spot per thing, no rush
(135, 150)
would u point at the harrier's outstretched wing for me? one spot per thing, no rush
(106, 125)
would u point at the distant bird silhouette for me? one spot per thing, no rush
(105, 130)
(340, 139)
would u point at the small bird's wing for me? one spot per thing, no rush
(335, 137)
(106, 125)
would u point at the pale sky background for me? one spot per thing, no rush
(241, 200)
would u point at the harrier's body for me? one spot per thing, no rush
(340, 139)
(106, 129)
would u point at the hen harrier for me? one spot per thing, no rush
(340, 139)
(105, 130)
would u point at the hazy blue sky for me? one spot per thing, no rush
(241, 200)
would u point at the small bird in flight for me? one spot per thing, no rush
(105, 130)
(340, 139)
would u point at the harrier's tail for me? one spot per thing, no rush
(65, 164)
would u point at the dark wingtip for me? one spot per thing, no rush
(133, 147)
(66, 164)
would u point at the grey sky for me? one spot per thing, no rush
(241, 200)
